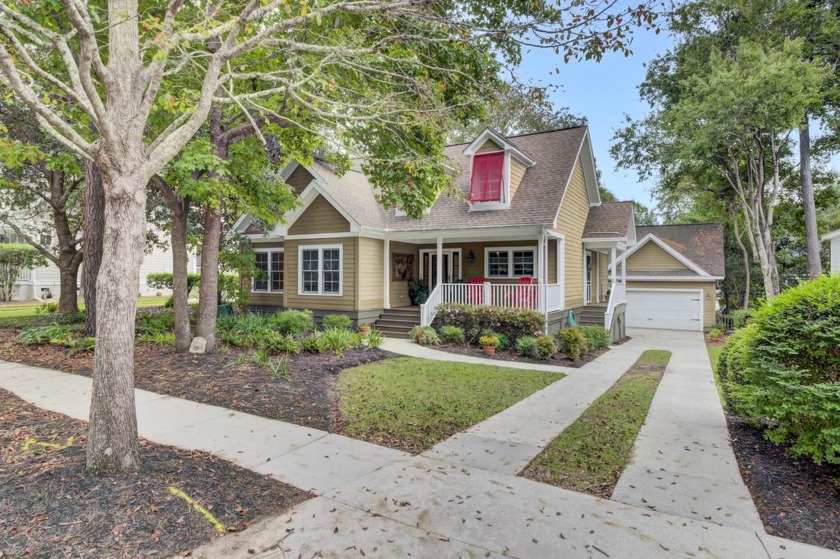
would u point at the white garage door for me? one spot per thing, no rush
(668, 309)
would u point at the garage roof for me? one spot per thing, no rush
(702, 243)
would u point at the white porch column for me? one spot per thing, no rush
(612, 265)
(541, 267)
(624, 267)
(386, 291)
(439, 271)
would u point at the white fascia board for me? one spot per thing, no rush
(831, 235)
(589, 172)
(489, 134)
(650, 237)
(686, 279)
(312, 190)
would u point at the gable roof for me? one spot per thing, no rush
(610, 220)
(700, 243)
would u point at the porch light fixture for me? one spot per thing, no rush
(470, 257)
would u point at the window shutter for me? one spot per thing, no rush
(486, 181)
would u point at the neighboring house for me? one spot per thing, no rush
(44, 282)
(834, 238)
(529, 224)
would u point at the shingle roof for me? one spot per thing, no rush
(609, 220)
(535, 203)
(702, 243)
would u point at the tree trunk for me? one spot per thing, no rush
(208, 291)
(812, 239)
(745, 256)
(68, 300)
(179, 210)
(113, 446)
(93, 233)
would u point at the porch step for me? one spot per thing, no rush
(591, 315)
(396, 323)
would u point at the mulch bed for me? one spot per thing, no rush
(796, 498)
(558, 359)
(307, 397)
(50, 507)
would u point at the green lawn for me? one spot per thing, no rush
(16, 310)
(590, 454)
(412, 404)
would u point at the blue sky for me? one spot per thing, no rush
(603, 92)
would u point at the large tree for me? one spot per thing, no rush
(120, 62)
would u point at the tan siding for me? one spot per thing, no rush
(603, 273)
(570, 222)
(652, 257)
(709, 294)
(517, 170)
(320, 217)
(399, 289)
(347, 301)
(370, 273)
(299, 179)
(269, 298)
(552, 261)
(489, 146)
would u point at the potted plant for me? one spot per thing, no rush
(418, 292)
(489, 343)
(607, 295)
(364, 329)
(715, 334)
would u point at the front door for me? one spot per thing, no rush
(587, 266)
(451, 266)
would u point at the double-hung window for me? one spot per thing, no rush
(509, 262)
(269, 274)
(320, 270)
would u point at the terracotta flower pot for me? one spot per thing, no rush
(364, 330)
(489, 350)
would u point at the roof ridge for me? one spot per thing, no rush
(521, 135)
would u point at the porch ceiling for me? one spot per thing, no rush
(605, 244)
(467, 235)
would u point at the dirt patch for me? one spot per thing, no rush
(305, 397)
(52, 508)
(795, 498)
(559, 359)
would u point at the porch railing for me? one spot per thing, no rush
(543, 298)
(25, 275)
(618, 296)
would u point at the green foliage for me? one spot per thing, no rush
(314, 343)
(332, 321)
(513, 323)
(14, 258)
(546, 348)
(54, 333)
(715, 333)
(424, 335)
(48, 307)
(452, 335)
(418, 292)
(504, 341)
(155, 322)
(527, 346)
(337, 340)
(782, 371)
(373, 340)
(597, 337)
(157, 338)
(488, 341)
(293, 322)
(279, 367)
(572, 343)
(163, 280)
(741, 317)
(278, 343)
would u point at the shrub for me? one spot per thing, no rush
(488, 341)
(282, 344)
(715, 333)
(782, 371)
(154, 323)
(452, 334)
(546, 348)
(293, 322)
(54, 333)
(314, 343)
(158, 338)
(418, 292)
(337, 340)
(597, 337)
(332, 321)
(424, 335)
(508, 322)
(527, 346)
(572, 343)
(741, 318)
(49, 307)
(374, 339)
(504, 341)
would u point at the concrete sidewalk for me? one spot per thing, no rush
(683, 462)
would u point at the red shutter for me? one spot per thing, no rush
(486, 180)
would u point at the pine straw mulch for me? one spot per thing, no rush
(306, 397)
(50, 508)
(795, 498)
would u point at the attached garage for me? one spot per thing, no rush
(668, 309)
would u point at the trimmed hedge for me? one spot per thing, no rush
(741, 318)
(511, 323)
(782, 371)
(597, 337)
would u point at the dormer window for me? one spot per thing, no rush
(487, 181)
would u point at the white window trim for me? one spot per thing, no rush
(268, 280)
(504, 203)
(433, 252)
(321, 249)
(487, 250)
